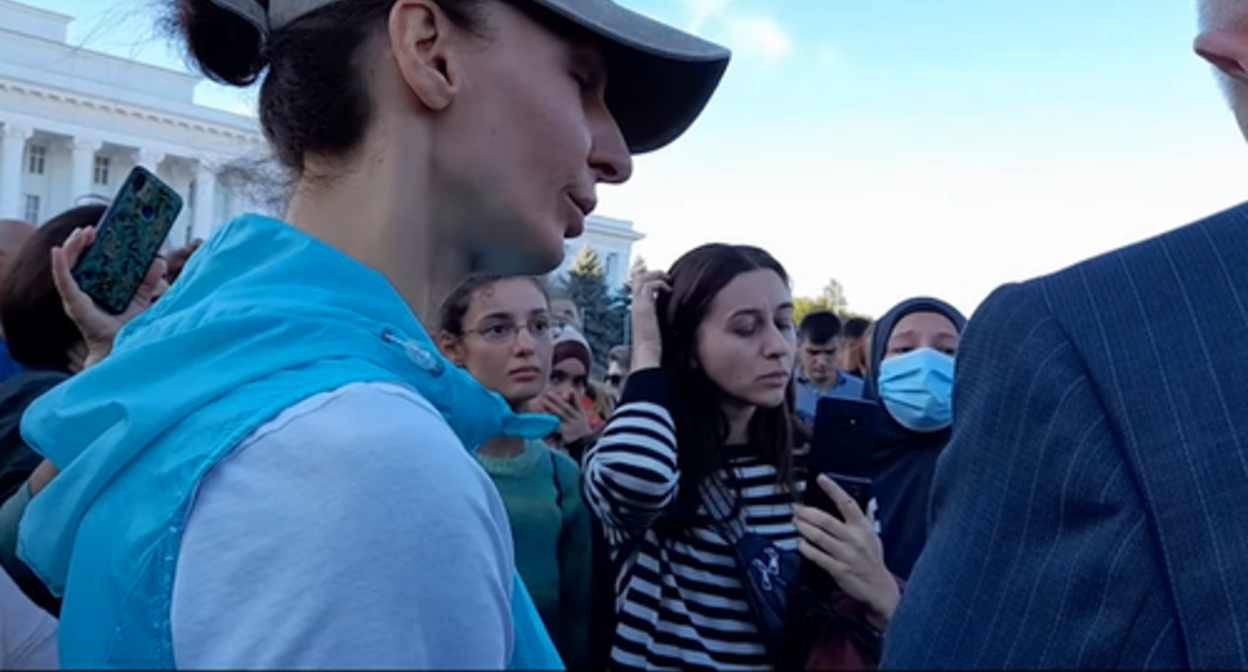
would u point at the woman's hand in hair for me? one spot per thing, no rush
(98, 327)
(573, 421)
(647, 337)
(850, 552)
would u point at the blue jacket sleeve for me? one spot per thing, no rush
(534, 649)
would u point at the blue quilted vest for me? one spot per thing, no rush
(262, 318)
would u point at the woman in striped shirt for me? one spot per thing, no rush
(713, 348)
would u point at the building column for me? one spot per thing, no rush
(180, 175)
(150, 159)
(12, 150)
(83, 172)
(205, 201)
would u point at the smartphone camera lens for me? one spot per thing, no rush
(140, 181)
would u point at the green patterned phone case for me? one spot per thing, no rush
(127, 240)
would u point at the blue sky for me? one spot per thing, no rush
(906, 147)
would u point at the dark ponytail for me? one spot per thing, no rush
(227, 49)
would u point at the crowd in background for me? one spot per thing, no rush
(373, 435)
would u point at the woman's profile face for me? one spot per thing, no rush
(526, 141)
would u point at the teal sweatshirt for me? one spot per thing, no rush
(551, 528)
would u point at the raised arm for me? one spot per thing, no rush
(631, 473)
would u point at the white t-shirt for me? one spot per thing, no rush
(27, 633)
(352, 531)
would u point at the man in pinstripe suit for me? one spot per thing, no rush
(1091, 510)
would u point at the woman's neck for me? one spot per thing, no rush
(739, 416)
(379, 213)
(502, 447)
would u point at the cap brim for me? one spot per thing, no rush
(660, 78)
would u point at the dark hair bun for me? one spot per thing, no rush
(226, 47)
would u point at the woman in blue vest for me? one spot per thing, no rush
(269, 469)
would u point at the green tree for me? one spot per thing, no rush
(623, 302)
(831, 298)
(638, 266)
(803, 306)
(586, 284)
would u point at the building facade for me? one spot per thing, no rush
(612, 240)
(74, 122)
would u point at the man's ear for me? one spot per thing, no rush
(452, 348)
(1227, 50)
(426, 46)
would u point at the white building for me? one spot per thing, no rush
(74, 122)
(612, 240)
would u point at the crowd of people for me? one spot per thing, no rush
(372, 434)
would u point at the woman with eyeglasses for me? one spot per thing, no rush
(500, 330)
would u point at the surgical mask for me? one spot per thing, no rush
(917, 389)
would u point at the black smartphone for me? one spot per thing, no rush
(841, 448)
(127, 240)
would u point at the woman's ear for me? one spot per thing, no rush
(691, 361)
(452, 348)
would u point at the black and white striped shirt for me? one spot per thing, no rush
(680, 603)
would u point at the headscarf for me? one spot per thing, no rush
(904, 460)
(883, 329)
(569, 343)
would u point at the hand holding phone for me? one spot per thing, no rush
(127, 240)
(98, 327)
(841, 448)
(846, 553)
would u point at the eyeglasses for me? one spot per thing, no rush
(505, 332)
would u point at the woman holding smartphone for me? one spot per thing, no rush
(696, 479)
(272, 468)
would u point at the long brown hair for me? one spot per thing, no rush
(37, 330)
(701, 425)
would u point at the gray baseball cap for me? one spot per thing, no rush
(660, 78)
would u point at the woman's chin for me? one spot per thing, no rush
(766, 398)
(530, 256)
(524, 398)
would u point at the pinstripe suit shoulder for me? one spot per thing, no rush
(1089, 510)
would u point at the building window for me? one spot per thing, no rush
(102, 165)
(613, 262)
(31, 210)
(36, 159)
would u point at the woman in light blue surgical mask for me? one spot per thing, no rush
(911, 366)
